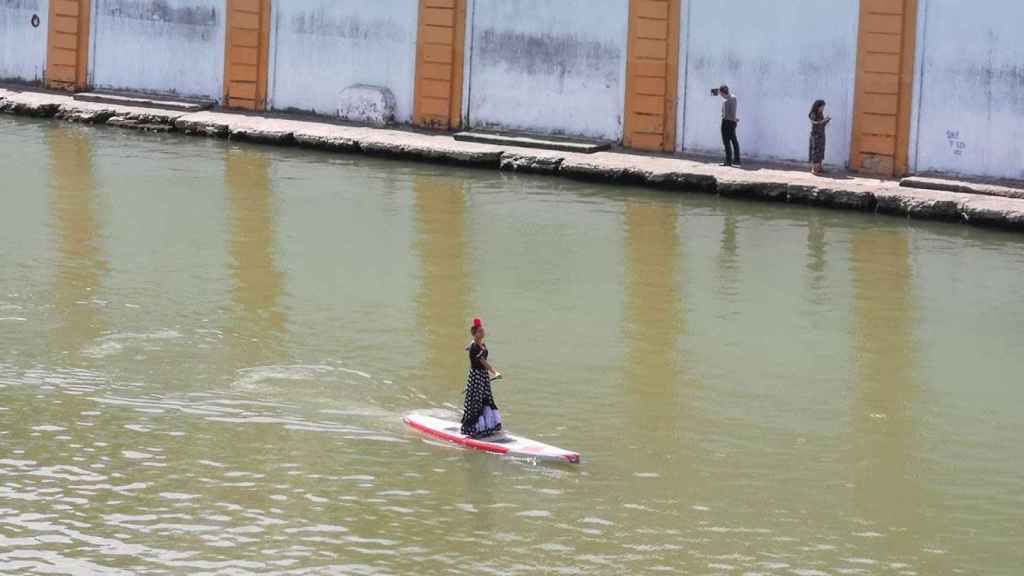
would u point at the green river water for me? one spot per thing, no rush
(206, 349)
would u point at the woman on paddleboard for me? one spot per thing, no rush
(480, 415)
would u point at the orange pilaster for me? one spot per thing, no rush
(67, 45)
(884, 87)
(246, 54)
(440, 41)
(652, 75)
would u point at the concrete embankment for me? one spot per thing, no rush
(770, 184)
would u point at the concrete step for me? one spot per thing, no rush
(533, 141)
(950, 185)
(145, 101)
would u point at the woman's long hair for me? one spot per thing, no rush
(816, 110)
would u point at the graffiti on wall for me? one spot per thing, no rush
(956, 145)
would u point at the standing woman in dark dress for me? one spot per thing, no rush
(818, 123)
(480, 415)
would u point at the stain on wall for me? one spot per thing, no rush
(350, 26)
(318, 48)
(161, 11)
(22, 45)
(547, 54)
(970, 108)
(549, 67)
(778, 57)
(163, 46)
(30, 5)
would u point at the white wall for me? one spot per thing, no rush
(165, 46)
(22, 47)
(777, 57)
(556, 67)
(970, 89)
(321, 47)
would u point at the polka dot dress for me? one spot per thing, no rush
(477, 420)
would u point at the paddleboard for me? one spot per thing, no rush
(508, 444)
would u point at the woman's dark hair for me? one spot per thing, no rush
(474, 329)
(816, 108)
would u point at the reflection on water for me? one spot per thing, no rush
(443, 298)
(817, 256)
(654, 309)
(755, 389)
(728, 255)
(258, 320)
(75, 225)
(884, 402)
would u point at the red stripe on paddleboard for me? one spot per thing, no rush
(457, 439)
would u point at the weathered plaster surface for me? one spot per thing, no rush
(778, 58)
(160, 46)
(22, 45)
(320, 48)
(970, 113)
(549, 67)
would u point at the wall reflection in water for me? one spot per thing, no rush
(257, 322)
(443, 298)
(443, 319)
(654, 310)
(75, 223)
(882, 416)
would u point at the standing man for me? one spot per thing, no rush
(729, 122)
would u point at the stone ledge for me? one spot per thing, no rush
(531, 141)
(764, 184)
(201, 127)
(924, 205)
(679, 180)
(140, 125)
(429, 147)
(145, 101)
(324, 138)
(536, 162)
(961, 187)
(592, 168)
(33, 109)
(992, 211)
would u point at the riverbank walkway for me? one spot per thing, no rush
(953, 201)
